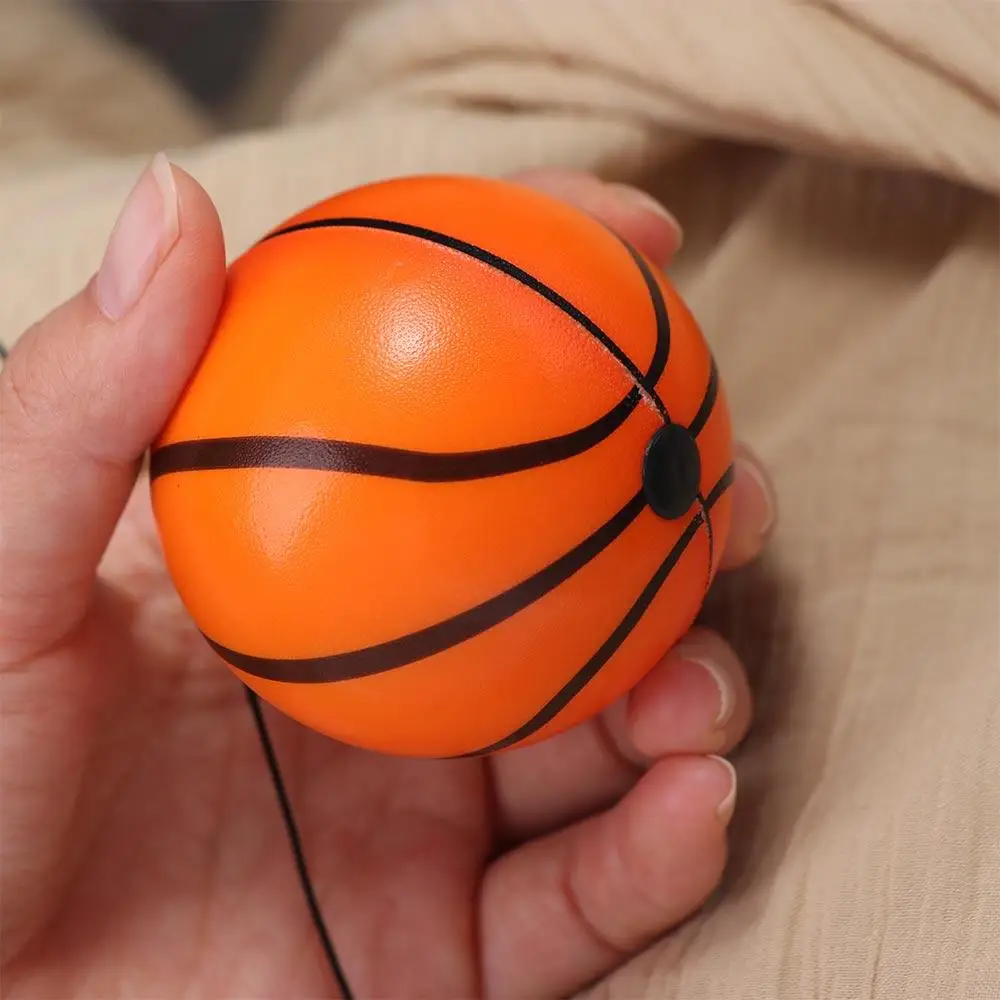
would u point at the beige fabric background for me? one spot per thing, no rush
(837, 167)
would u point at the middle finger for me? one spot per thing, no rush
(695, 701)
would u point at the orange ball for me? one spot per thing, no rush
(453, 473)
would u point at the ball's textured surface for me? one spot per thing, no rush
(453, 472)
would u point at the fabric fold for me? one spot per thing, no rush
(835, 167)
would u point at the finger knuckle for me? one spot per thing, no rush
(29, 394)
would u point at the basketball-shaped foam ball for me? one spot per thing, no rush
(453, 473)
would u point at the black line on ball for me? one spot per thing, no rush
(617, 638)
(452, 631)
(276, 451)
(715, 493)
(497, 263)
(707, 402)
(287, 452)
(608, 648)
(661, 352)
(442, 635)
(709, 531)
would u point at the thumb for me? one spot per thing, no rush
(84, 392)
(81, 396)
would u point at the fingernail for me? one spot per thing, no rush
(147, 228)
(765, 501)
(641, 199)
(727, 697)
(724, 810)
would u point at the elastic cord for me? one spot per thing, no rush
(291, 828)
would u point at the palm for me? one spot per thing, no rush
(192, 863)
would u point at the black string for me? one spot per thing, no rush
(295, 841)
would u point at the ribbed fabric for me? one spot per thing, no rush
(836, 167)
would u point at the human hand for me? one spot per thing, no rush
(142, 851)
